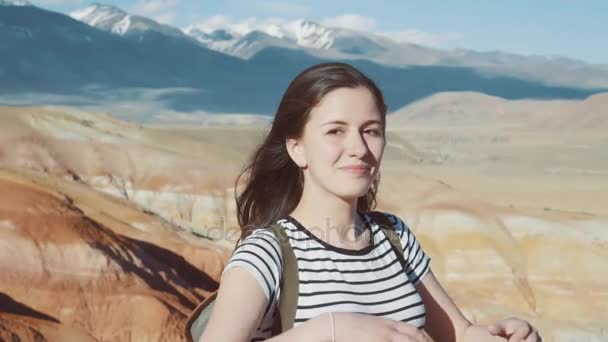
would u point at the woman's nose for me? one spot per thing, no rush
(356, 145)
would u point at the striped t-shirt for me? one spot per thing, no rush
(370, 280)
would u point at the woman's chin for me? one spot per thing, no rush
(353, 195)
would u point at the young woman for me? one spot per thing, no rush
(316, 174)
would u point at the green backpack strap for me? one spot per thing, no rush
(288, 300)
(393, 237)
(198, 319)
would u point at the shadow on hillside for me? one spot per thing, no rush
(9, 305)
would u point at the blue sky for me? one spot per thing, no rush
(576, 29)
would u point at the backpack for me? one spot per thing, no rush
(198, 319)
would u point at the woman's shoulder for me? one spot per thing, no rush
(388, 220)
(264, 236)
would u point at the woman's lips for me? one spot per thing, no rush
(357, 170)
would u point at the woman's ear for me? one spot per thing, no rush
(296, 152)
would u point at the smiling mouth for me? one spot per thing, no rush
(356, 170)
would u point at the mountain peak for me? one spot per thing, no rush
(233, 38)
(97, 9)
(303, 22)
(104, 16)
(101, 5)
(310, 34)
(113, 19)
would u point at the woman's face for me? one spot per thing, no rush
(343, 143)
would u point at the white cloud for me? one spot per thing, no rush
(56, 2)
(413, 36)
(283, 8)
(354, 22)
(243, 26)
(215, 22)
(363, 23)
(164, 11)
(211, 24)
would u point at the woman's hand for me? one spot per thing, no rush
(515, 330)
(360, 327)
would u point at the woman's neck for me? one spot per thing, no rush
(335, 221)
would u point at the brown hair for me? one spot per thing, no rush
(275, 183)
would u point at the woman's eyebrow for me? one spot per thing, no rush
(339, 122)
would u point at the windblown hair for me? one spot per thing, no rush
(275, 183)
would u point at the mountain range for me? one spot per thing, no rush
(102, 49)
(244, 40)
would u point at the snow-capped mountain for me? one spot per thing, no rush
(244, 40)
(15, 3)
(115, 20)
(214, 36)
(306, 33)
(94, 64)
(248, 38)
(235, 43)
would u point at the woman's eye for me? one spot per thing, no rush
(334, 131)
(373, 131)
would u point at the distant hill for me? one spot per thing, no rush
(476, 109)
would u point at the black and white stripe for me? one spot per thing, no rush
(370, 280)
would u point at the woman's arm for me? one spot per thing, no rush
(239, 308)
(445, 322)
(317, 329)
